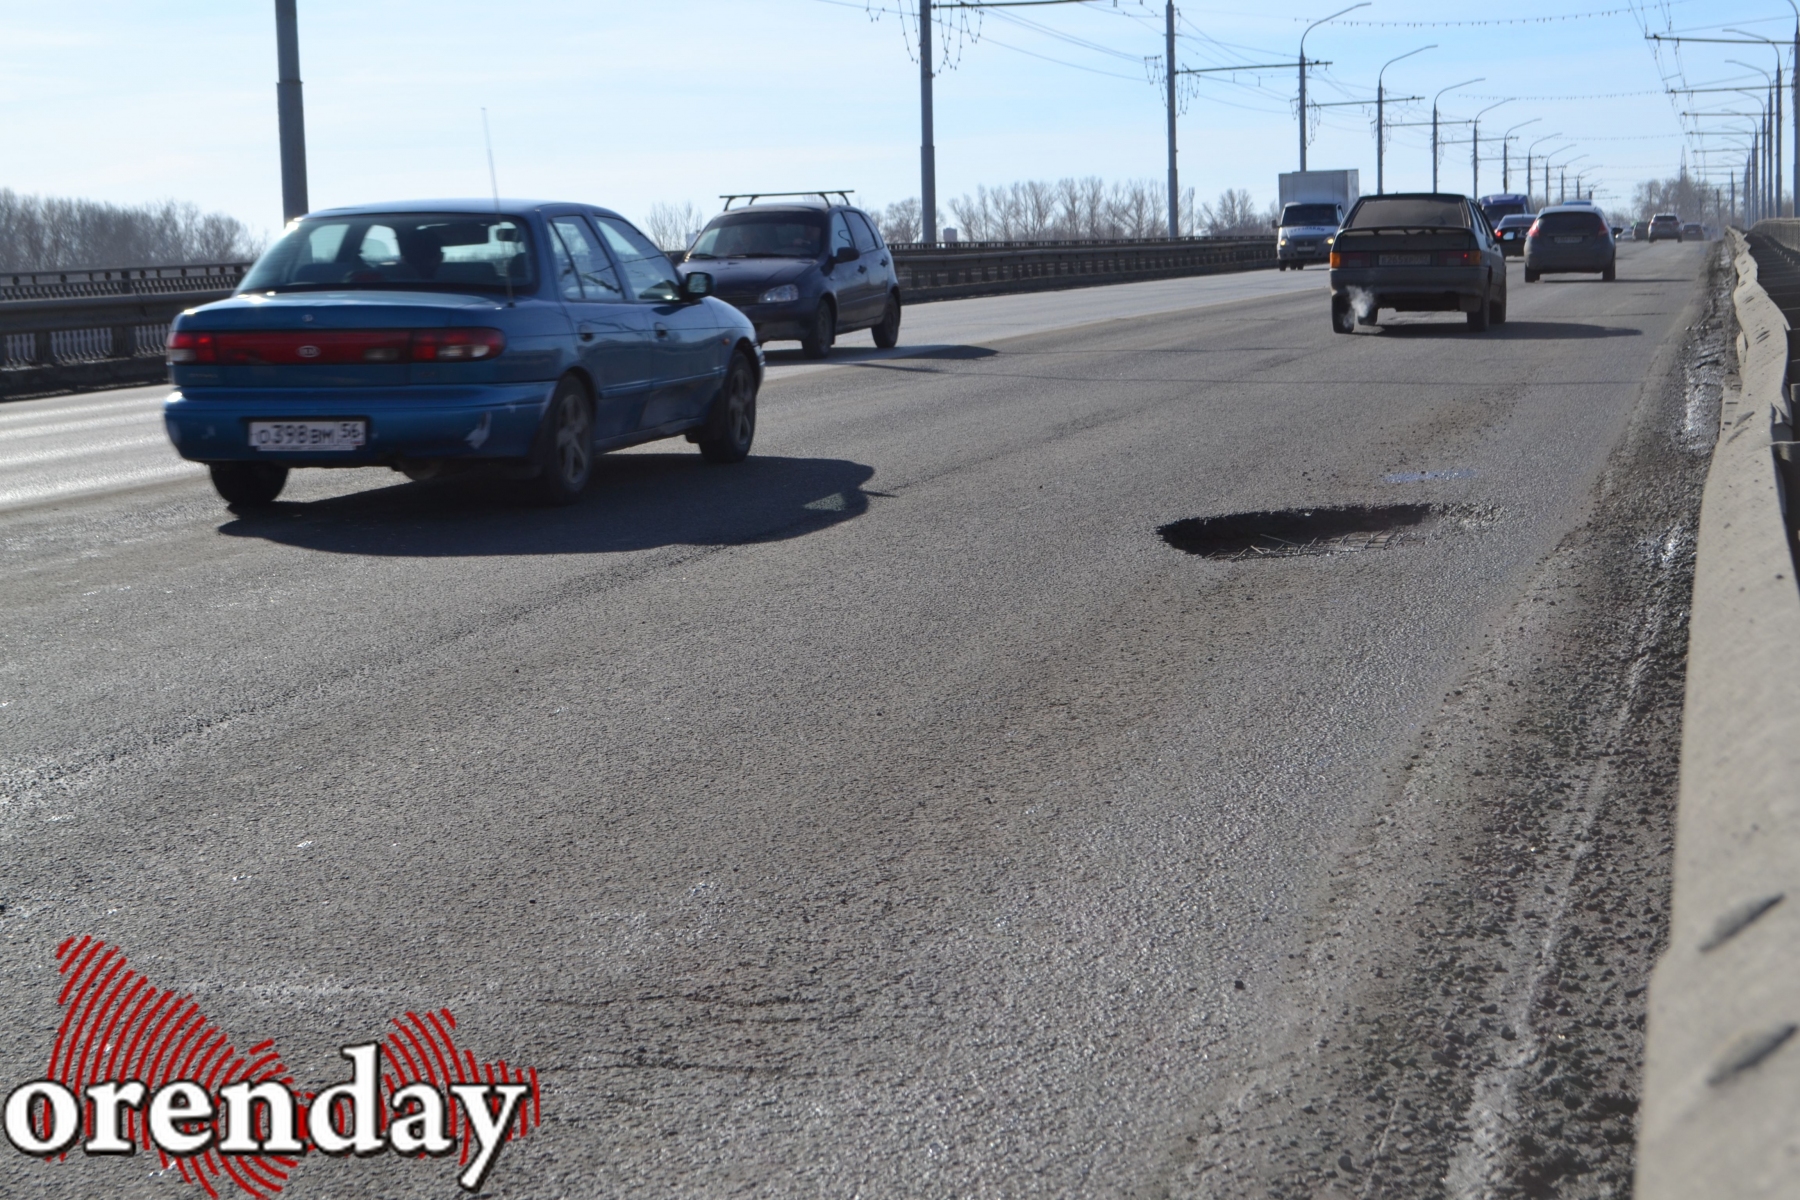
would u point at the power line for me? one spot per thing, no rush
(1586, 16)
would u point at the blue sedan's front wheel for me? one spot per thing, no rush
(729, 430)
(565, 447)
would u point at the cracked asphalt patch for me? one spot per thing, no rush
(1478, 969)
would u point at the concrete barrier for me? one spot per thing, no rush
(1721, 1108)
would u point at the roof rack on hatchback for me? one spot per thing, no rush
(752, 197)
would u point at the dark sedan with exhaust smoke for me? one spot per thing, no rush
(1416, 252)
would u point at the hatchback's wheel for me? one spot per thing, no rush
(1497, 310)
(1611, 273)
(731, 426)
(1343, 320)
(821, 333)
(248, 484)
(1531, 276)
(564, 455)
(887, 334)
(1482, 317)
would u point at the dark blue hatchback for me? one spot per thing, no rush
(804, 271)
(427, 336)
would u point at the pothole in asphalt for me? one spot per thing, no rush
(1294, 531)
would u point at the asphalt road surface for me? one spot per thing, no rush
(895, 814)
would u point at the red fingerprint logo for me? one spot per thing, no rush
(119, 1027)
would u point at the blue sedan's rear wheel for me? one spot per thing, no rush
(248, 484)
(731, 427)
(565, 447)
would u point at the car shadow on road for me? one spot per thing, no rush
(636, 502)
(1545, 330)
(843, 356)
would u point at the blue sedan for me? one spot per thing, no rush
(525, 337)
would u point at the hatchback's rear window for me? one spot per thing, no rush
(762, 235)
(1410, 212)
(1568, 222)
(452, 252)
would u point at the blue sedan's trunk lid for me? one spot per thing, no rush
(325, 312)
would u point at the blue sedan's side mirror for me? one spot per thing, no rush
(696, 285)
(846, 254)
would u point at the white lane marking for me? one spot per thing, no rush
(17, 411)
(35, 493)
(83, 450)
(88, 425)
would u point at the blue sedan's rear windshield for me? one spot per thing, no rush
(762, 235)
(451, 252)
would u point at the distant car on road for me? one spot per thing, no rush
(1570, 238)
(1664, 225)
(1502, 205)
(1693, 232)
(1640, 231)
(1416, 252)
(805, 270)
(525, 336)
(1303, 234)
(1511, 232)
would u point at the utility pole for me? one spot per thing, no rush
(1174, 179)
(1475, 146)
(288, 112)
(927, 151)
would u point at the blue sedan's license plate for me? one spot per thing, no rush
(1405, 260)
(1569, 241)
(308, 435)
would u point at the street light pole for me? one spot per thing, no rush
(1475, 146)
(1334, 16)
(1548, 137)
(1434, 124)
(927, 151)
(1381, 116)
(1776, 96)
(1174, 180)
(289, 114)
(1506, 156)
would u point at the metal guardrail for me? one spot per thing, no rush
(973, 268)
(63, 330)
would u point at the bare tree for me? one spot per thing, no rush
(900, 221)
(672, 227)
(42, 233)
(1234, 215)
(1085, 209)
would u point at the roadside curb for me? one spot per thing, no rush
(1721, 1096)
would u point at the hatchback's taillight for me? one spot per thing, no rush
(1459, 258)
(191, 347)
(1350, 259)
(456, 345)
(1534, 230)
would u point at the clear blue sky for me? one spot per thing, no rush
(627, 102)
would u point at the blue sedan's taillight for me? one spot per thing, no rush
(243, 347)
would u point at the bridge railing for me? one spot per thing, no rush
(105, 327)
